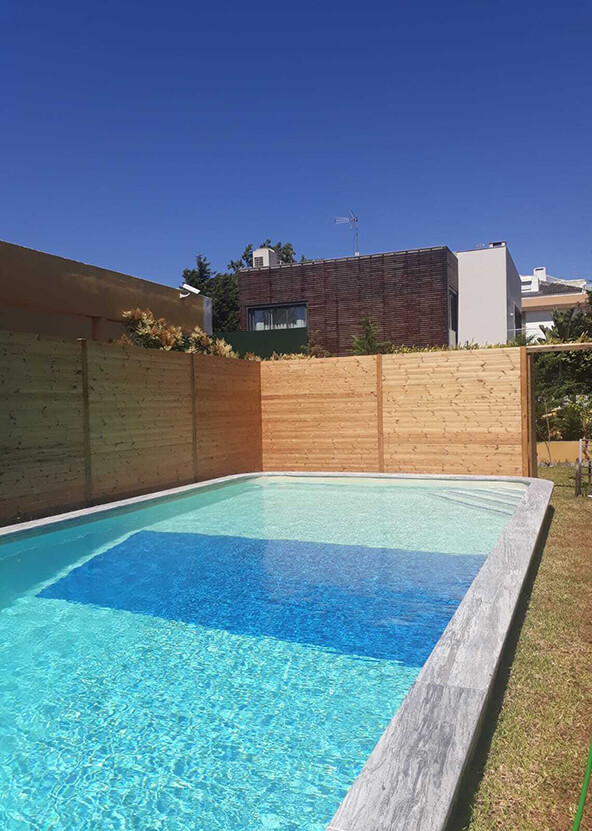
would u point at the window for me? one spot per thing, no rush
(452, 318)
(517, 321)
(257, 262)
(277, 317)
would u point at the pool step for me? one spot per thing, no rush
(488, 496)
(472, 501)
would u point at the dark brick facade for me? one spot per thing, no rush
(405, 293)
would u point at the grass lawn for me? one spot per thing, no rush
(536, 762)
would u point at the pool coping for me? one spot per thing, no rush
(412, 777)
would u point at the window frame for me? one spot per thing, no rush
(453, 312)
(271, 307)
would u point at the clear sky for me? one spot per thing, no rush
(134, 134)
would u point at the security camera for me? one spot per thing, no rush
(188, 290)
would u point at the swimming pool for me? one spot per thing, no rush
(227, 657)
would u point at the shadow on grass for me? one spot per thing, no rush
(461, 814)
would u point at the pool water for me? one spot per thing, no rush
(229, 658)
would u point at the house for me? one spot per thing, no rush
(490, 298)
(541, 294)
(51, 295)
(411, 297)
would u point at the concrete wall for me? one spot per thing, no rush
(558, 452)
(513, 296)
(50, 295)
(489, 287)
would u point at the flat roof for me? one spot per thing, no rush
(350, 257)
(546, 289)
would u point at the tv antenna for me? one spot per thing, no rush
(352, 221)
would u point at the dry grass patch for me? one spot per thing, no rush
(534, 770)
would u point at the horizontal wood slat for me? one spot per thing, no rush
(228, 416)
(438, 412)
(144, 420)
(320, 414)
(88, 423)
(453, 412)
(41, 425)
(141, 419)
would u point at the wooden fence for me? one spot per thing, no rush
(85, 422)
(423, 412)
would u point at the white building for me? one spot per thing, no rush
(541, 294)
(489, 295)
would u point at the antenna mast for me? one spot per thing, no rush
(352, 221)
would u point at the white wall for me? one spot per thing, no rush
(482, 296)
(534, 319)
(513, 295)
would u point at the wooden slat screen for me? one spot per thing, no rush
(228, 416)
(86, 422)
(41, 425)
(141, 421)
(83, 422)
(320, 414)
(422, 412)
(453, 412)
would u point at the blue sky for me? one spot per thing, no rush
(135, 134)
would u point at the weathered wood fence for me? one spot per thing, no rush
(85, 422)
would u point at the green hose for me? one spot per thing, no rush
(585, 784)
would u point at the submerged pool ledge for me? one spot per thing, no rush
(412, 778)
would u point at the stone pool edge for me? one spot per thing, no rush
(412, 777)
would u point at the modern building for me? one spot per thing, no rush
(490, 299)
(51, 295)
(541, 294)
(411, 297)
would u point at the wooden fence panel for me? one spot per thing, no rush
(424, 412)
(141, 419)
(227, 416)
(453, 412)
(41, 426)
(84, 422)
(320, 414)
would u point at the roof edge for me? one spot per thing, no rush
(350, 257)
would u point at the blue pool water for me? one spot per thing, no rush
(227, 659)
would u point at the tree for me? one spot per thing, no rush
(225, 304)
(223, 290)
(367, 343)
(244, 261)
(284, 250)
(222, 286)
(570, 325)
(563, 380)
(198, 276)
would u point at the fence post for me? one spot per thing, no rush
(379, 414)
(529, 450)
(86, 424)
(194, 417)
(532, 417)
